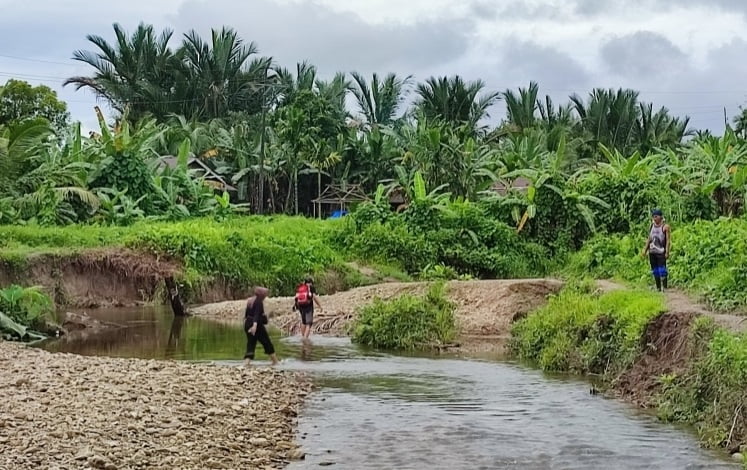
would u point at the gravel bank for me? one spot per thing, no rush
(62, 411)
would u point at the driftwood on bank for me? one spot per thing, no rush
(174, 298)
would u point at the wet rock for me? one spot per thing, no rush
(296, 454)
(737, 457)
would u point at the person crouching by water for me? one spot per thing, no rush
(304, 302)
(658, 247)
(254, 326)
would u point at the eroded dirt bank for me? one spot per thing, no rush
(62, 411)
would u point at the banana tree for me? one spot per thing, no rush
(717, 169)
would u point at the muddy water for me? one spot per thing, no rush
(381, 411)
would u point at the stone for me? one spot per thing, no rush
(84, 454)
(296, 454)
(259, 442)
(737, 457)
(134, 414)
(98, 461)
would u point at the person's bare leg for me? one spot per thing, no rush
(275, 360)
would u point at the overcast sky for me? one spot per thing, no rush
(688, 55)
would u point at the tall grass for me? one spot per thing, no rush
(711, 394)
(21, 310)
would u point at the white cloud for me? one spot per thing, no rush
(686, 55)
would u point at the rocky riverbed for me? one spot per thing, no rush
(63, 411)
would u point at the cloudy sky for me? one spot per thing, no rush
(688, 55)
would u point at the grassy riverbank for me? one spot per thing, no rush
(677, 362)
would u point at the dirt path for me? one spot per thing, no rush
(679, 302)
(485, 309)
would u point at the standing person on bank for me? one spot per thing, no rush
(658, 246)
(305, 299)
(254, 326)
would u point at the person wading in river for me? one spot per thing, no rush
(254, 326)
(305, 299)
(658, 247)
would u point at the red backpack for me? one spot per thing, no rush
(303, 295)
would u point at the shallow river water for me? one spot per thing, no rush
(381, 411)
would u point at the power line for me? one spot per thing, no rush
(41, 61)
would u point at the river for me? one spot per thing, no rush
(375, 410)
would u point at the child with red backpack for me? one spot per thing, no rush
(304, 302)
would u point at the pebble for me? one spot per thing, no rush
(111, 414)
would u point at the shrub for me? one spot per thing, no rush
(407, 322)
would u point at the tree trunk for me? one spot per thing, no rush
(319, 194)
(295, 190)
(176, 302)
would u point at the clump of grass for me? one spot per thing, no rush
(407, 322)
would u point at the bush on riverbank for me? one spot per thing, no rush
(708, 258)
(22, 310)
(407, 322)
(583, 332)
(710, 393)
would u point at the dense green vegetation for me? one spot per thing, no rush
(597, 163)
(407, 322)
(587, 333)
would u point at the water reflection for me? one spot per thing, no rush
(154, 333)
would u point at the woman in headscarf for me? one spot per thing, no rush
(254, 326)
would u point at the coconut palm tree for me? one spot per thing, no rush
(380, 101)
(135, 72)
(455, 101)
(521, 108)
(222, 76)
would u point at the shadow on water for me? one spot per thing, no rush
(377, 410)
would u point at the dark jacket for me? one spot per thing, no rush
(255, 312)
